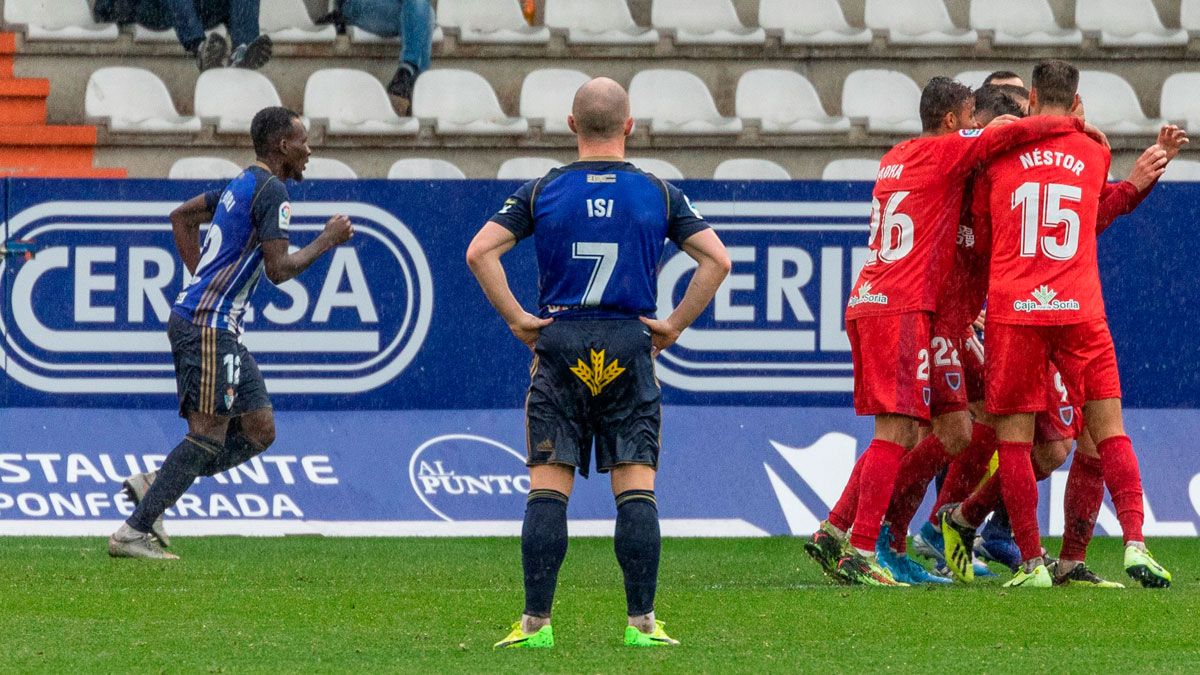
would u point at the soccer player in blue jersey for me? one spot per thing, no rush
(221, 391)
(599, 226)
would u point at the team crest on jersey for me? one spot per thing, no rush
(970, 133)
(600, 374)
(866, 297)
(1045, 299)
(954, 381)
(285, 216)
(1067, 414)
(230, 394)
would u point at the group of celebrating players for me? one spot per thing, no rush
(998, 202)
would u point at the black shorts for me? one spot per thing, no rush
(214, 373)
(593, 379)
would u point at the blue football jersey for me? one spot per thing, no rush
(252, 208)
(599, 228)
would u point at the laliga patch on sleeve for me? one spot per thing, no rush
(970, 133)
(285, 215)
(693, 209)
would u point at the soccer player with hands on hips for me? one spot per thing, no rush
(599, 226)
(221, 391)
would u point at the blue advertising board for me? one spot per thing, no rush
(399, 389)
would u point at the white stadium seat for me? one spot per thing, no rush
(232, 96)
(360, 36)
(419, 168)
(677, 102)
(659, 167)
(58, 20)
(324, 167)
(888, 100)
(973, 78)
(1022, 22)
(203, 168)
(354, 103)
(1110, 103)
(1181, 100)
(489, 21)
(810, 22)
(784, 102)
(289, 21)
(916, 22)
(462, 102)
(597, 22)
(1182, 170)
(851, 169)
(750, 169)
(547, 94)
(709, 22)
(1124, 23)
(134, 100)
(526, 168)
(1189, 15)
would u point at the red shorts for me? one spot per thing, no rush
(1062, 419)
(957, 373)
(891, 364)
(1018, 355)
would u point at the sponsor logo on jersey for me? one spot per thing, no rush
(1045, 300)
(88, 314)
(459, 476)
(602, 178)
(866, 297)
(600, 374)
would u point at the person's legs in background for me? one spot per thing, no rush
(209, 52)
(250, 49)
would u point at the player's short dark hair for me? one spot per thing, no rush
(940, 96)
(1000, 75)
(1056, 83)
(268, 126)
(993, 100)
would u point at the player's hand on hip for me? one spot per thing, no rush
(1148, 168)
(338, 229)
(528, 328)
(662, 333)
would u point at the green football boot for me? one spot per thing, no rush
(1038, 577)
(1080, 575)
(856, 568)
(826, 547)
(1144, 569)
(958, 542)
(542, 639)
(659, 638)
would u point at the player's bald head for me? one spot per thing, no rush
(600, 109)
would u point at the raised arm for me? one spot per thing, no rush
(483, 257)
(186, 220)
(1005, 133)
(707, 250)
(281, 265)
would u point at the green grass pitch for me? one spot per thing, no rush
(437, 605)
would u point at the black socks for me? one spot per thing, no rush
(238, 450)
(638, 543)
(177, 474)
(543, 548)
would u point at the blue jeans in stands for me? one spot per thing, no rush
(192, 17)
(410, 20)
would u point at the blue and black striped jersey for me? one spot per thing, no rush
(252, 208)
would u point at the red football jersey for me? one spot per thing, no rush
(916, 208)
(1044, 200)
(964, 289)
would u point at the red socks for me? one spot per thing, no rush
(842, 514)
(1018, 485)
(967, 468)
(1120, 468)
(982, 502)
(1085, 493)
(917, 468)
(880, 464)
